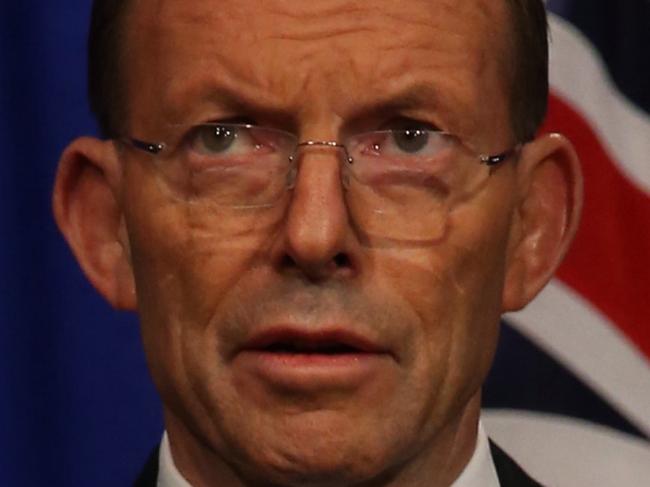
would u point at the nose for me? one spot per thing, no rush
(317, 235)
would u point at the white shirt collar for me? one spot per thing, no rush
(479, 472)
(168, 474)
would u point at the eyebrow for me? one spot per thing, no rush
(226, 98)
(419, 95)
(420, 98)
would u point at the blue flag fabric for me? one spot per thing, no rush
(76, 405)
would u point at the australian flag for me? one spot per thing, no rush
(569, 395)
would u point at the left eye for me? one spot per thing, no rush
(216, 139)
(411, 140)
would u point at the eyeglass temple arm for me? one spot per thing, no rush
(499, 158)
(150, 147)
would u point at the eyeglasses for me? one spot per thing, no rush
(399, 184)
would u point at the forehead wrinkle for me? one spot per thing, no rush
(321, 35)
(487, 13)
(162, 11)
(283, 84)
(321, 21)
(228, 97)
(428, 90)
(231, 88)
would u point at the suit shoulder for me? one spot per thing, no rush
(149, 475)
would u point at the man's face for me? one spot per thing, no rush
(225, 295)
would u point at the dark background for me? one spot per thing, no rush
(76, 405)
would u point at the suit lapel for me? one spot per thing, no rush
(149, 475)
(510, 474)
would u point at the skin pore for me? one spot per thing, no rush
(205, 280)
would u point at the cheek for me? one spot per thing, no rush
(476, 273)
(187, 255)
(453, 293)
(182, 269)
(186, 260)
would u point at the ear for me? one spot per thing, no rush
(88, 211)
(549, 202)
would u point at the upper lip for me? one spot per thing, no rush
(312, 340)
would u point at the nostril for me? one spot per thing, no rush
(288, 262)
(342, 260)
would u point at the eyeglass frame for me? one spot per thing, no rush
(156, 148)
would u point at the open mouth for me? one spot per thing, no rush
(310, 360)
(296, 342)
(328, 348)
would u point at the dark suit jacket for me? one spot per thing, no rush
(510, 474)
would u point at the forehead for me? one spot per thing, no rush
(312, 57)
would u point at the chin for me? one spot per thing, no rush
(309, 470)
(316, 460)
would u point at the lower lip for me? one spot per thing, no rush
(305, 371)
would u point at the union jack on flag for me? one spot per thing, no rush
(569, 395)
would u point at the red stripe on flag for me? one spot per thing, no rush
(609, 263)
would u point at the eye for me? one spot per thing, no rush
(214, 139)
(411, 140)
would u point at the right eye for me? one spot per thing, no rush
(215, 145)
(411, 141)
(215, 139)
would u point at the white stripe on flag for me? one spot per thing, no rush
(578, 75)
(565, 325)
(560, 451)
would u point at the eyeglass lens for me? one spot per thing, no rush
(400, 185)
